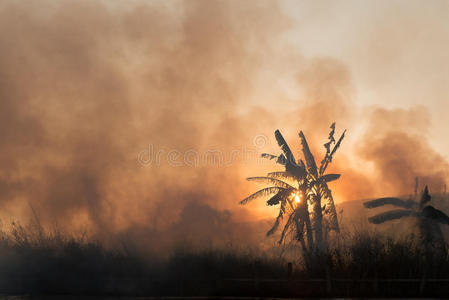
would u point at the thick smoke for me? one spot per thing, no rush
(86, 87)
(395, 143)
(141, 119)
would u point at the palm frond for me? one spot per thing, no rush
(278, 219)
(337, 145)
(291, 165)
(389, 201)
(298, 171)
(279, 197)
(268, 155)
(279, 159)
(301, 164)
(262, 193)
(431, 212)
(282, 160)
(329, 177)
(285, 148)
(327, 146)
(281, 175)
(286, 226)
(271, 180)
(308, 156)
(390, 215)
(332, 132)
(275, 226)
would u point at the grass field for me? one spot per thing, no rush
(362, 263)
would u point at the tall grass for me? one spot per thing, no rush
(35, 261)
(369, 255)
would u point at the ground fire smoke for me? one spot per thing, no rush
(144, 118)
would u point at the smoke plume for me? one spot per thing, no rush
(143, 119)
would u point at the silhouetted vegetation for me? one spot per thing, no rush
(300, 191)
(361, 263)
(429, 218)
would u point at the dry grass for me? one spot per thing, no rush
(33, 261)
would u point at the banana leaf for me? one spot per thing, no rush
(261, 193)
(389, 201)
(279, 197)
(329, 177)
(435, 214)
(278, 219)
(271, 180)
(390, 215)
(308, 156)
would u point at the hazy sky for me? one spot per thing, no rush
(86, 86)
(397, 51)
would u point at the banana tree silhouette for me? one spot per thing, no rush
(429, 217)
(318, 190)
(307, 182)
(288, 188)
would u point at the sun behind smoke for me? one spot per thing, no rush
(297, 196)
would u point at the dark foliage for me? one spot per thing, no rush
(300, 186)
(37, 263)
(429, 218)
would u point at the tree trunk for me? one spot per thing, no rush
(300, 233)
(318, 222)
(305, 216)
(308, 228)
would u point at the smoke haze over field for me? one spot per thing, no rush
(112, 115)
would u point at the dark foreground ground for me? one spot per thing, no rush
(361, 264)
(161, 298)
(367, 267)
(298, 289)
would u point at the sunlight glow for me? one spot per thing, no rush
(297, 196)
